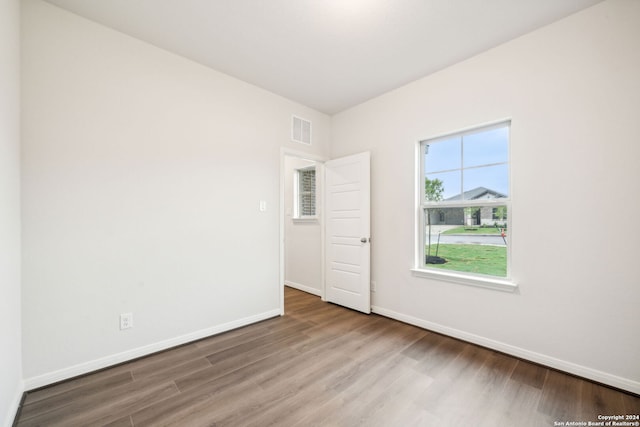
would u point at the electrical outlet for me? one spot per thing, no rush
(126, 321)
(373, 286)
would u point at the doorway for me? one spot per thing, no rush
(341, 212)
(301, 223)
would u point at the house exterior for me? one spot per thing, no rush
(485, 215)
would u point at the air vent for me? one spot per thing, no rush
(301, 130)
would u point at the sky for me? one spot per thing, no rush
(470, 160)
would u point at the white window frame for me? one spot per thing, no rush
(297, 200)
(420, 268)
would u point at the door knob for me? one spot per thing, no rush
(363, 240)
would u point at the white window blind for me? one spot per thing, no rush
(306, 205)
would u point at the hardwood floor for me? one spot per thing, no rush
(324, 365)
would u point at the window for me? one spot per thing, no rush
(305, 193)
(464, 203)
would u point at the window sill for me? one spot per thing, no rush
(305, 220)
(503, 285)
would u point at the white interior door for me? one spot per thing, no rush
(348, 251)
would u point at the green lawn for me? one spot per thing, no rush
(482, 259)
(473, 230)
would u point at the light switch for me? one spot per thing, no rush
(263, 205)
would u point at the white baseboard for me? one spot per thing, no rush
(105, 362)
(304, 288)
(542, 359)
(14, 406)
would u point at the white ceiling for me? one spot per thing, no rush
(326, 54)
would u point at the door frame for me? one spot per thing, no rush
(320, 160)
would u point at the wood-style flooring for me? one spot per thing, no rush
(324, 365)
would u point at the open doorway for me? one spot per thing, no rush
(326, 227)
(302, 227)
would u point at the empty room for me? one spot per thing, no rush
(331, 213)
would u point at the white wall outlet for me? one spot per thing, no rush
(373, 286)
(126, 321)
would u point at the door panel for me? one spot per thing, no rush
(347, 231)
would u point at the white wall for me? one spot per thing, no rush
(303, 245)
(142, 174)
(573, 93)
(10, 335)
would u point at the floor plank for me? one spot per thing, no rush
(324, 365)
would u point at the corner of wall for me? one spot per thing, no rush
(12, 384)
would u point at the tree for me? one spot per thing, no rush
(433, 189)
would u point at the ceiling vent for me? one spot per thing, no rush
(301, 130)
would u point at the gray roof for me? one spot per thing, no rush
(477, 193)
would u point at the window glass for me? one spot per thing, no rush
(465, 204)
(486, 147)
(443, 155)
(449, 182)
(494, 178)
